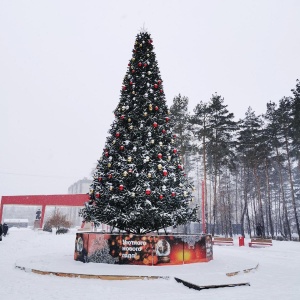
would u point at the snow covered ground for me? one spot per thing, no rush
(277, 277)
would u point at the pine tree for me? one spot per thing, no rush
(220, 147)
(139, 184)
(182, 129)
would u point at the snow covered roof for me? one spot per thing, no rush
(15, 221)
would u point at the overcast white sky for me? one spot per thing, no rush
(62, 65)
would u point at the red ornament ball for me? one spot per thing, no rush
(106, 154)
(167, 119)
(98, 195)
(164, 131)
(165, 172)
(173, 194)
(99, 179)
(159, 81)
(122, 117)
(122, 148)
(117, 134)
(156, 108)
(155, 86)
(150, 41)
(121, 187)
(131, 83)
(148, 191)
(110, 176)
(161, 91)
(159, 155)
(123, 88)
(155, 124)
(139, 64)
(175, 150)
(133, 71)
(161, 197)
(145, 65)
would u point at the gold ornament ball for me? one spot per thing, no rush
(129, 159)
(159, 167)
(129, 120)
(109, 165)
(149, 175)
(125, 173)
(145, 114)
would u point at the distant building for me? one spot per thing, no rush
(80, 187)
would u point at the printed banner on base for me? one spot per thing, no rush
(142, 249)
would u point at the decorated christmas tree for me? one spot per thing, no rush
(139, 183)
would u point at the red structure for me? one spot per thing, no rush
(44, 200)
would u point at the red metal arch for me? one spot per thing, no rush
(44, 200)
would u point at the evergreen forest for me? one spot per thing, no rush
(248, 169)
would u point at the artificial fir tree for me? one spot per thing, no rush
(139, 183)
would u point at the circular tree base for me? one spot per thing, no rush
(150, 249)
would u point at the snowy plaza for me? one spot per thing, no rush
(277, 275)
